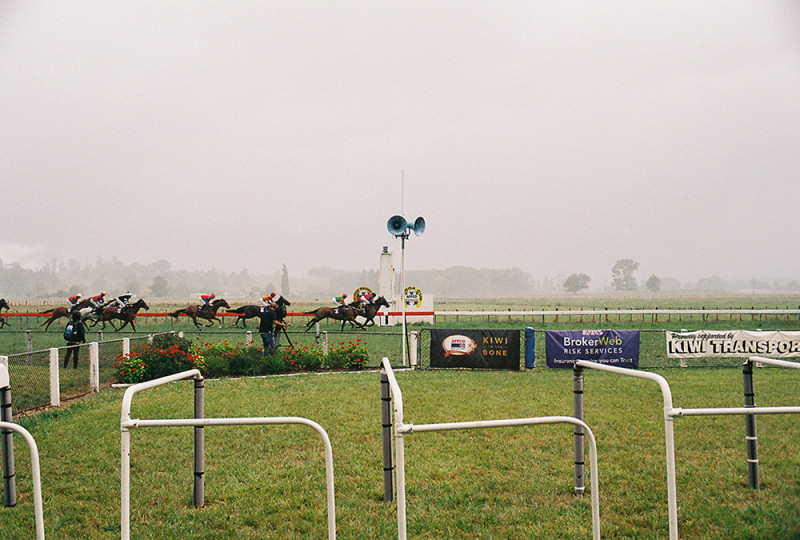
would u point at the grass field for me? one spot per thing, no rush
(268, 482)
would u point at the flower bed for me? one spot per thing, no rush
(171, 354)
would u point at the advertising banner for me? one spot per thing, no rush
(487, 349)
(733, 344)
(613, 347)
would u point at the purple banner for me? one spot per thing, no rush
(613, 347)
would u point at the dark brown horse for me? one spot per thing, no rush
(346, 314)
(61, 311)
(208, 313)
(3, 305)
(127, 315)
(250, 311)
(370, 310)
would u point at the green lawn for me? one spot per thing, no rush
(269, 482)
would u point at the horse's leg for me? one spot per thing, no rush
(121, 327)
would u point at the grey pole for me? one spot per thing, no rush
(9, 476)
(577, 398)
(198, 494)
(751, 436)
(386, 429)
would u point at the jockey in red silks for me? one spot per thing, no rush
(206, 299)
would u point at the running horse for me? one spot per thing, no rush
(250, 311)
(208, 313)
(127, 314)
(346, 314)
(370, 310)
(3, 305)
(56, 313)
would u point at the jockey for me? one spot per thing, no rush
(340, 301)
(269, 301)
(122, 301)
(73, 301)
(98, 300)
(206, 299)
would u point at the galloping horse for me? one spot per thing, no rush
(250, 311)
(128, 314)
(3, 305)
(208, 313)
(370, 310)
(346, 314)
(56, 313)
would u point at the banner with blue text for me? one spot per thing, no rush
(613, 347)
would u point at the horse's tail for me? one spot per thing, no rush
(238, 311)
(47, 311)
(177, 312)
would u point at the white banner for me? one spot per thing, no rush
(733, 343)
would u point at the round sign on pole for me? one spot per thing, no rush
(412, 296)
(361, 290)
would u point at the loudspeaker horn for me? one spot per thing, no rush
(397, 225)
(419, 226)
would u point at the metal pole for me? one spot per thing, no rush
(9, 476)
(403, 290)
(386, 431)
(198, 494)
(577, 398)
(751, 437)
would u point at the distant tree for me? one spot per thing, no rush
(713, 283)
(653, 283)
(622, 275)
(285, 281)
(576, 282)
(159, 288)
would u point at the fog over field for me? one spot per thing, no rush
(554, 137)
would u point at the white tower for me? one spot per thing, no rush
(387, 286)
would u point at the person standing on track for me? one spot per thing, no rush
(269, 320)
(74, 336)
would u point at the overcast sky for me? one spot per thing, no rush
(552, 136)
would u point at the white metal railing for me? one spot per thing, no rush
(401, 429)
(671, 412)
(199, 422)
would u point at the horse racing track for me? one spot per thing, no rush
(269, 481)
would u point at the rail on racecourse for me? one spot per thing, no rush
(199, 422)
(7, 443)
(399, 428)
(671, 412)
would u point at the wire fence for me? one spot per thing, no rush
(29, 351)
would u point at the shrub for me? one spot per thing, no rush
(215, 356)
(349, 355)
(302, 358)
(167, 354)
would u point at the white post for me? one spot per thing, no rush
(413, 346)
(4, 360)
(94, 366)
(249, 338)
(126, 346)
(55, 391)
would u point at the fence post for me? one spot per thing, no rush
(198, 492)
(9, 476)
(751, 436)
(386, 431)
(577, 398)
(29, 346)
(324, 342)
(249, 337)
(55, 390)
(126, 346)
(94, 366)
(413, 349)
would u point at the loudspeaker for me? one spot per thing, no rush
(419, 226)
(397, 225)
